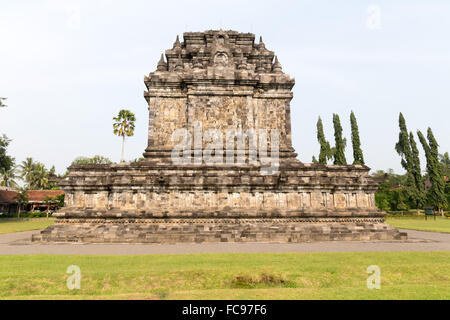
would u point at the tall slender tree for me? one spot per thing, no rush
(439, 190)
(436, 193)
(403, 148)
(340, 142)
(124, 126)
(358, 157)
(419, 192)
(325, 149)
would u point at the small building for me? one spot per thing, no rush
(8, 203)
(36, 201)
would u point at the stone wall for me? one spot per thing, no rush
(141, 190)
(221, 230)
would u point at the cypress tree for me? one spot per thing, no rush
(416, 172)
(403, 148)
(325, 150)
(340, 143)
(358, 157)
(436, 193)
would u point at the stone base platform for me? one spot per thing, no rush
(274, 230)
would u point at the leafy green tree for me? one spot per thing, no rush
(401, 197)
(60, 200)
(382, 202)
(49, 201)
(392, 194)
(358, 157)
(124, 126)
(325, 149)
(444, 159)
(6, 162)
(340, 142)
(94, 160)
(436, 193)
(22, 200)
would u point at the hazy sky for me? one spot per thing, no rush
(67, 67)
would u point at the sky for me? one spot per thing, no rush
(68, 67)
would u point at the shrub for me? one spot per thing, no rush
(34, 214)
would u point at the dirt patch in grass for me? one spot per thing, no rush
(262, 280)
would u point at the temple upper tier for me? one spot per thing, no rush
(226, 55)
(223, 80)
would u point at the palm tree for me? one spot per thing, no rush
(8, 177)
(39, 176)
(124, 126)
(26, 170)
(2, 105)
(34, 174)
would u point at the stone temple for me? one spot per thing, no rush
(222, 81)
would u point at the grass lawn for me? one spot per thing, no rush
(404, 275)
(419, 223)
(17, 225)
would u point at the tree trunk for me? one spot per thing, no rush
(18, 212)
(123, 144)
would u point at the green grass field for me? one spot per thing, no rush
(404, 275)
(17, 225)
(419, 223)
